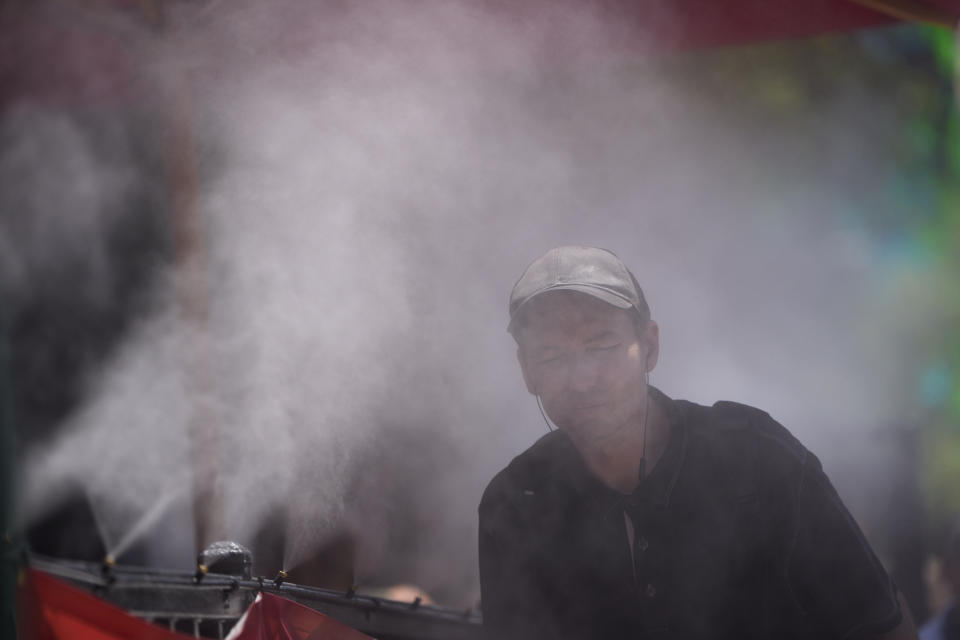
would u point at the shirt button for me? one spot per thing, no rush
(642, 544)
(651, 591)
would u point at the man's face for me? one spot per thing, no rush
(584, 359)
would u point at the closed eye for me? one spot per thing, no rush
(609, 348)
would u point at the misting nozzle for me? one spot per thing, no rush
(201, 571)
(281, 576)
(109, 562)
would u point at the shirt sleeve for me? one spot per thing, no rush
(832, 571)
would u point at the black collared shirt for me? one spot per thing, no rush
(737, 533)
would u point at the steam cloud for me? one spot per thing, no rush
(374, 179)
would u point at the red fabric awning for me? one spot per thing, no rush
(50, 609)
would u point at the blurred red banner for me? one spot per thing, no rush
(50, 609)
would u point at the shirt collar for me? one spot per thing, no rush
(656, 488)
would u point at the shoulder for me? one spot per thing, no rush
(740, 422)
(743, 434)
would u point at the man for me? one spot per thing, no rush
(647, 517)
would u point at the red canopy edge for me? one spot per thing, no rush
(665, 25)
(939, 13)
(652, 26)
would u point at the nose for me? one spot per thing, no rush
(584, 374)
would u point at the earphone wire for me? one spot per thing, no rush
(543, 413)
(641, 472)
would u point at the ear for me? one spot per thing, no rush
(527, 380)
(651, 344)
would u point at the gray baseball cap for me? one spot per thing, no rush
(589, 270)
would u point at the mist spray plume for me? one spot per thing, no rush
(371, 181)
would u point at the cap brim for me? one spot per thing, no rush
(597, 292)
